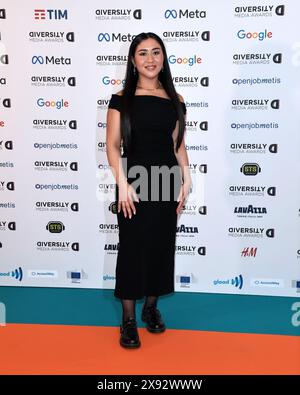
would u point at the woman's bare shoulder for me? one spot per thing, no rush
(180, 98)
(120, 93)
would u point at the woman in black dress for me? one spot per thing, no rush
(146, 152)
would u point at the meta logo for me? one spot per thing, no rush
(2, 13)
(106, 37)
(249, 252)
(185, 61)
(174, 14)
(59, 104)
(250, 169)
(42, 14)
(241, 34)
(237, 281)
(112, 81)
(55, 226)
(38, 59)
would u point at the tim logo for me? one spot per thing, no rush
(237, 281)
(17, 274)
(249, 251)
(42, 14)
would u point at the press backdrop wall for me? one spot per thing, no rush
(237, 65)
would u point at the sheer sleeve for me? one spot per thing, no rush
(115, 102)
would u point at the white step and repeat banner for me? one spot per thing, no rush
(237, 65)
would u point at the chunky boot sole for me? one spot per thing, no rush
(133, 345)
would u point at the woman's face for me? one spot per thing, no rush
(148, 58)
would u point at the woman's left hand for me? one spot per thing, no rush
(183, 194)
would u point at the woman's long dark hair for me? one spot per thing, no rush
(131, 79)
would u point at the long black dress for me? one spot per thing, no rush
(145, 262)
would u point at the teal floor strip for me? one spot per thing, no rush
(196, 311)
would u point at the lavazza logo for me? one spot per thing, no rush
(254, 11)
(187, 35)
(251, 190)
(187, 231)
(251, 232)
(241, 59)
(112, 60)
(118, 14)
(54, 124)
(184, 14)
(250, 211)
(52, 81)
(255, 104)
(52, 37)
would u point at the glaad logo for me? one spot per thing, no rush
(17, 274)
(42, 14)
(250, 169)
(55, 227)
(174, 14)
(237, 281)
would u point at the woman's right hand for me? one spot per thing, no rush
(127, 197)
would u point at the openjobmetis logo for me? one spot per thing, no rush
(42, 14)
(249, 252)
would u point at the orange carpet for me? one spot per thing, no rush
(60, 349)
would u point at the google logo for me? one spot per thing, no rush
(261, 35)
(106, 81)
(190, 61)
(52, 103)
